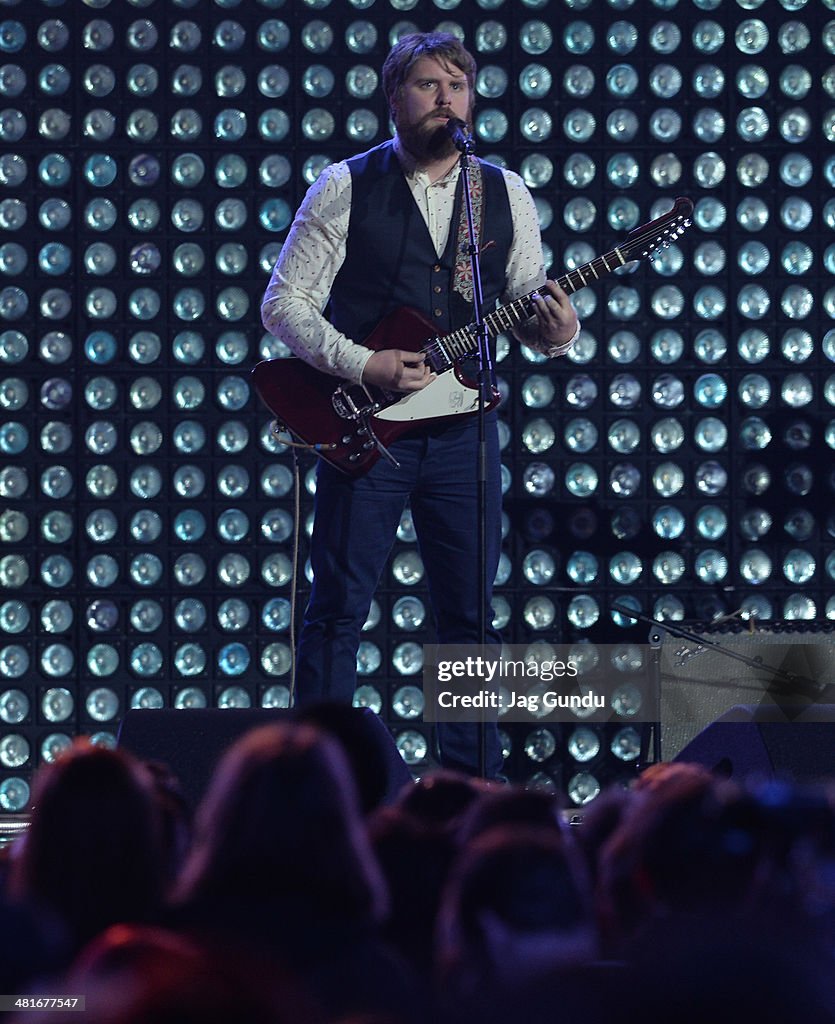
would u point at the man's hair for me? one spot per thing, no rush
(443, 46)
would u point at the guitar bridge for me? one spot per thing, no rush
(347, 408)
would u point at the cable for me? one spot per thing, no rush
(280, 431)
(277, 429)
(294, 589)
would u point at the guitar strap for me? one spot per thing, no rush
(462, 279)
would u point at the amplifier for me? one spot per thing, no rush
(780, 669)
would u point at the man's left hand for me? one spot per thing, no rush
(555, 314)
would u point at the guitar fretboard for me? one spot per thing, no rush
(444, 352)
(451, 348)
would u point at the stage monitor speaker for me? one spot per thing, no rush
(727, 665)
(191, 741)
(755, 742)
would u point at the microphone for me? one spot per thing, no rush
(460, 135)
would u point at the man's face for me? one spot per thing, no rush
(433, 92)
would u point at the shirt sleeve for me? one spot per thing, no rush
(300, 285)
(526, 263)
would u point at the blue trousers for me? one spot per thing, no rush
(354, 530)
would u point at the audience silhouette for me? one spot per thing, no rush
(281, 866)
(517, 904)
(93, 854)
(304, 890)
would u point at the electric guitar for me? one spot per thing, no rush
(350, 425)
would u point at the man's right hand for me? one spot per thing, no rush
(397, 370)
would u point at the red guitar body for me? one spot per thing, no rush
(347, 423)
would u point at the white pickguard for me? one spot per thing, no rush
(445, 396)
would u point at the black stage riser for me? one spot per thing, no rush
(192, 741)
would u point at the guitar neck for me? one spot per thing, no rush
(446, 351)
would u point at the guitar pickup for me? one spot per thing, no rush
(437, 356)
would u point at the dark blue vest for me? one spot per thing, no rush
(390, 260)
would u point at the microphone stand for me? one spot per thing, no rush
(485, 379)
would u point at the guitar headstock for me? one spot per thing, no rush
(647, 239)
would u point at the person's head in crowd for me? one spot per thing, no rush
(137, 974)
(518, 903)
(687, 844)
(795, 877)
(279, 826)
(440, 798)
(92, 854)
(599, 820)
(714, 971)
(415, 859)
(655, 778)
(175, 817)
(511, 805)
(722, 971)
(32, 947)
(364, 743)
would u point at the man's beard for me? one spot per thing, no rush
(425, 142)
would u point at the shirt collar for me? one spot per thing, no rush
(411, 169)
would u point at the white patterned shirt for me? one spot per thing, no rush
(314, 251)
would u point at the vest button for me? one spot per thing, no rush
(438, 312)
(437, 289)
(437, 268)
